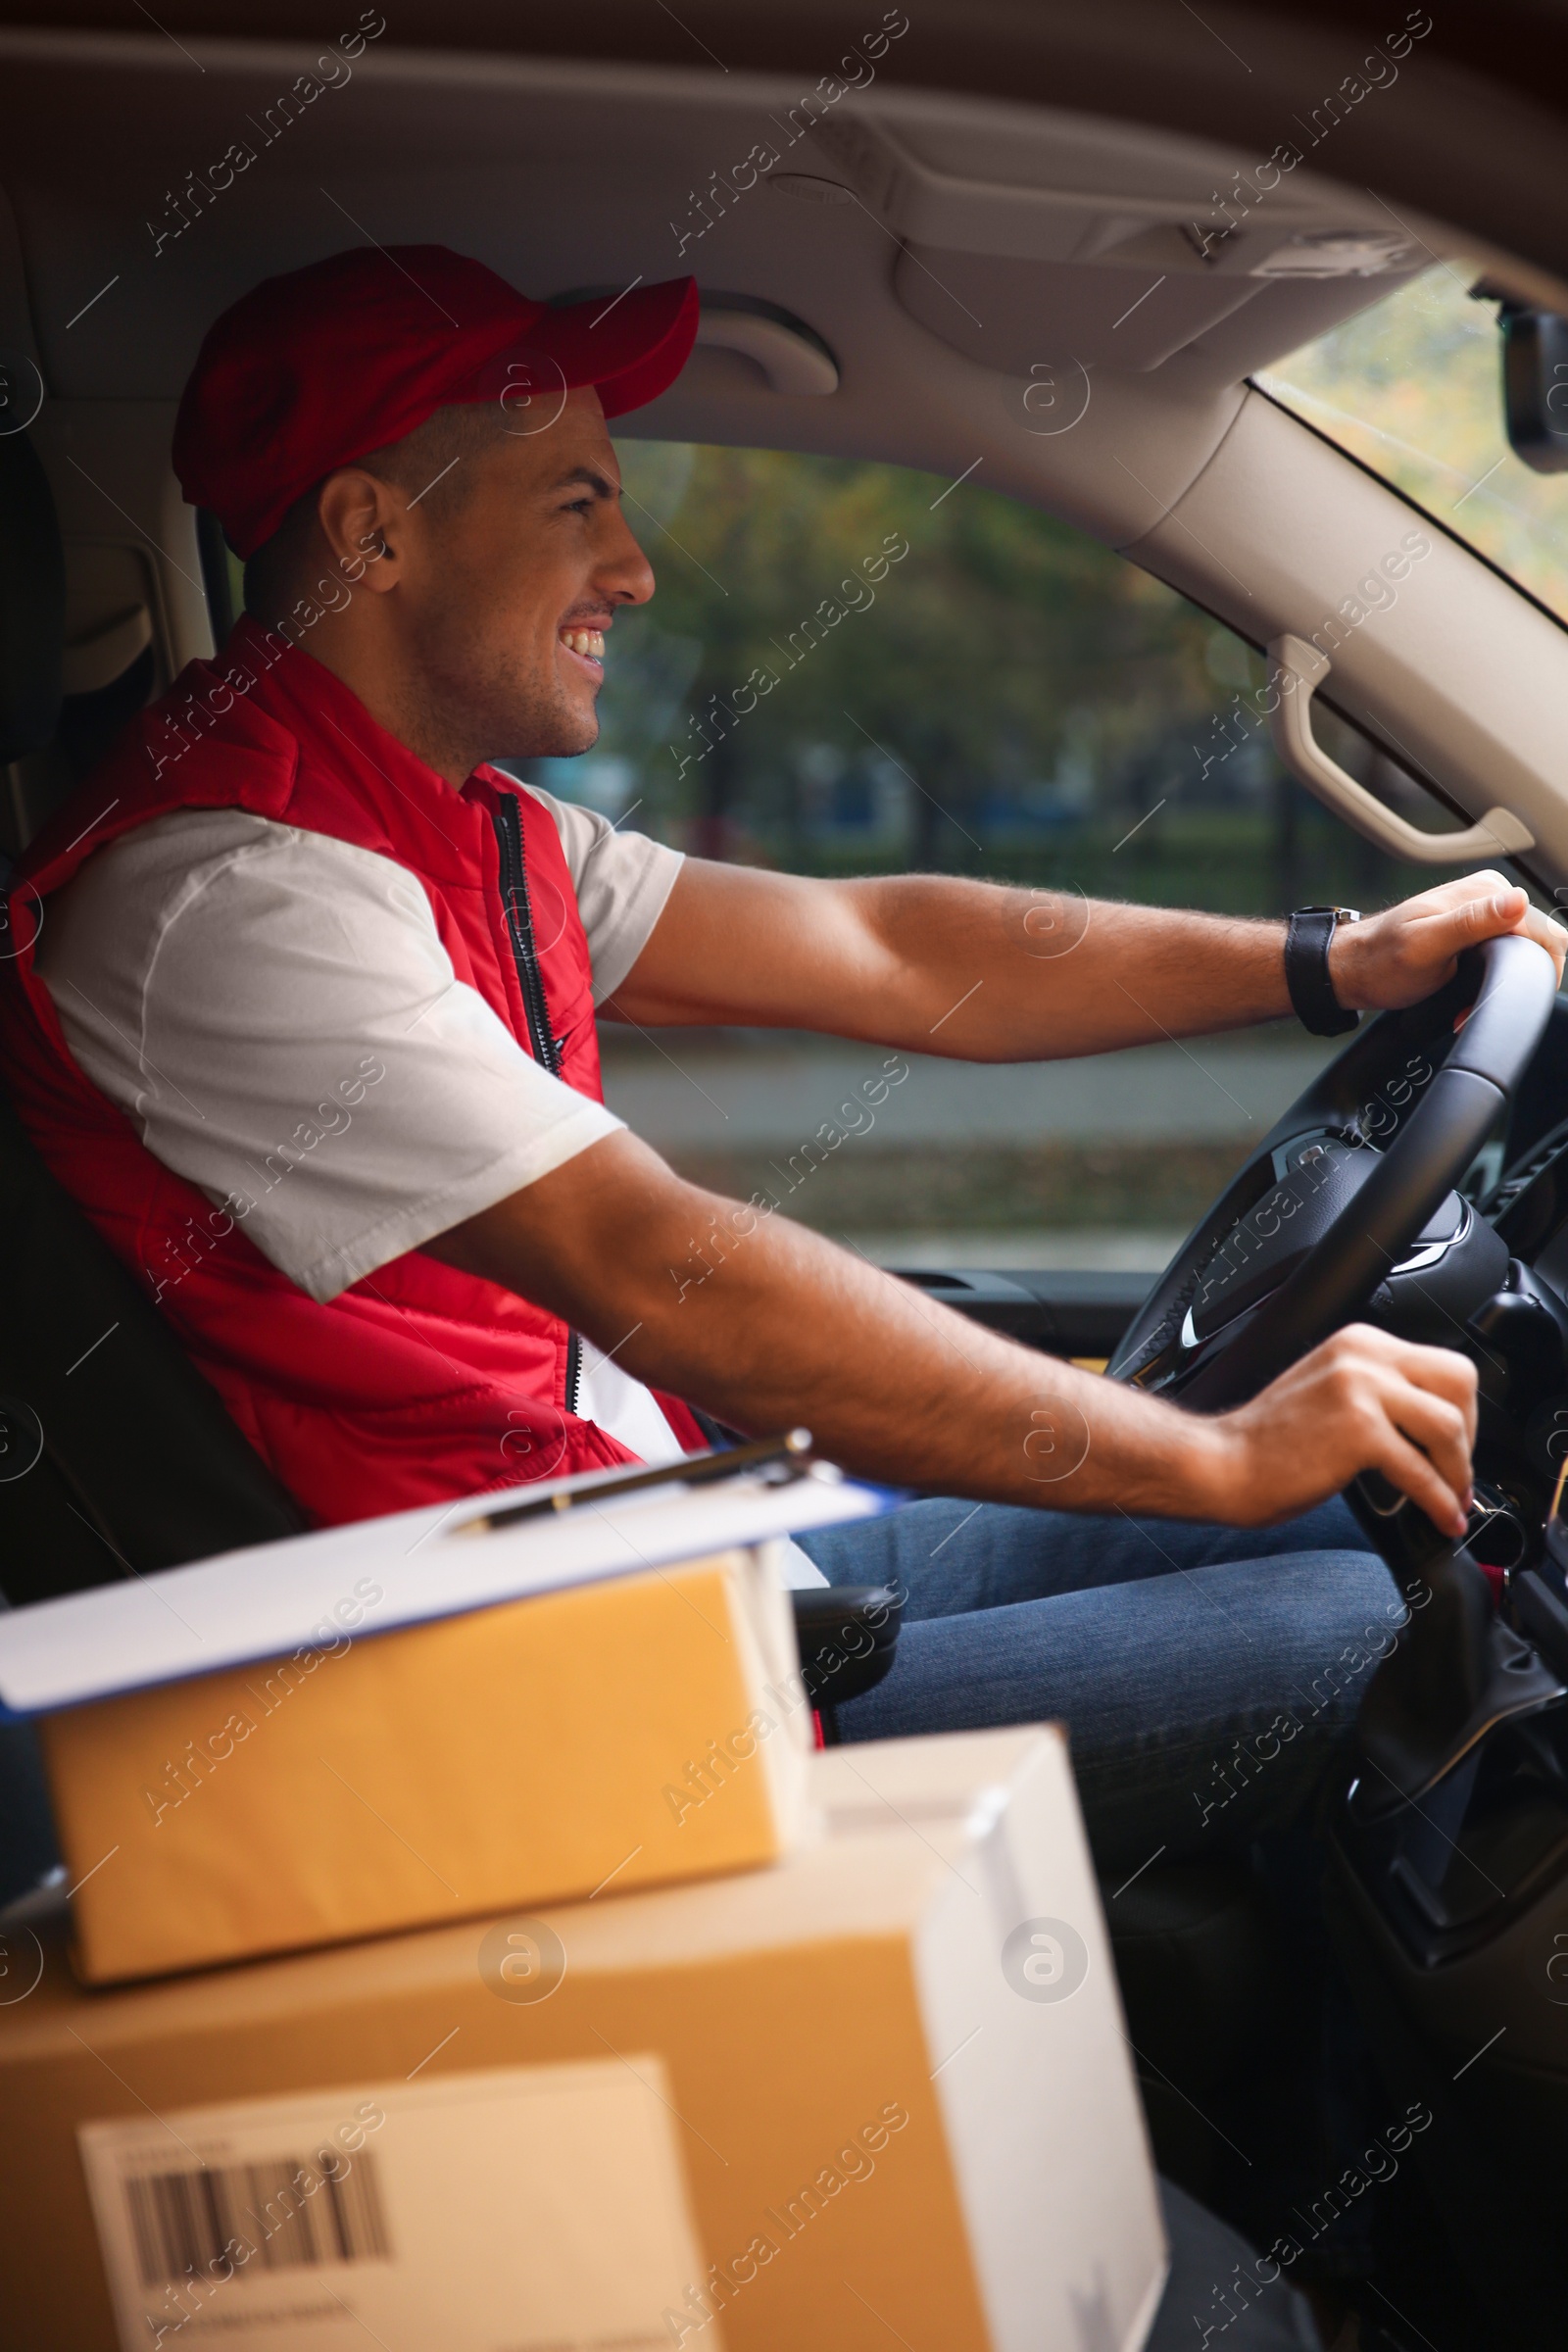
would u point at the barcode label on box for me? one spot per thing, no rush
(523, 2209)
(321, 2208)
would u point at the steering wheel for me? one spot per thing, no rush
(1353, 1185)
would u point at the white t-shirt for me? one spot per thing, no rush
(275, 1013)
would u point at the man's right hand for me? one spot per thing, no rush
(1361, 1401)
(767, 1326)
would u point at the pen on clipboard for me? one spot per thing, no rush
(791, 1452)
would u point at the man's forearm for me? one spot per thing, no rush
(937, 964)
(764, 1324)
(1017, 975)
(769, 1325)
(895, 1385)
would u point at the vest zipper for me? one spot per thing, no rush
(519, 910)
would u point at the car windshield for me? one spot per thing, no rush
(1413, 388)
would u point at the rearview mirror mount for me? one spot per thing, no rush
(1535, 381)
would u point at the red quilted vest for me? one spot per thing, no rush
(418, 1383)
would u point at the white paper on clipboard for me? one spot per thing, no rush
(382, 1573)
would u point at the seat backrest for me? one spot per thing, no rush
(116, 1457)
(33, 602)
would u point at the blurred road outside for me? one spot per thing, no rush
(1099, 1164)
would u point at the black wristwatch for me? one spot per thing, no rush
(1307, 969)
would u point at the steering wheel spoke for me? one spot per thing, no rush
(1349, 1200)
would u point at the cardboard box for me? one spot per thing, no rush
(351, 1732)
(876, 2093)
(514, 1756)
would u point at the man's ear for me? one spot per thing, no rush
(361, 518)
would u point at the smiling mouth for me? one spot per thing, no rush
(586, 646)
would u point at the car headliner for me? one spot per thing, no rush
(968, 245)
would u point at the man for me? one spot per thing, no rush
(310, 1034)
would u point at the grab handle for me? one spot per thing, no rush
(1500, 833)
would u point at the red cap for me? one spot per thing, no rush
(317, 369)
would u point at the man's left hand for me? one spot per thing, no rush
(1395, 959)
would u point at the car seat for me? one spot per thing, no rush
(116, 1457)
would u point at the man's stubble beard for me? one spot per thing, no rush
(486, 703)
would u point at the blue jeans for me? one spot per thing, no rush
(1204, 2259)
(1206, 1675)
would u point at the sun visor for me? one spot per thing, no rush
(1014, 314)
(1026, 243)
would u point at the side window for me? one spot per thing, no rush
(849, 668)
